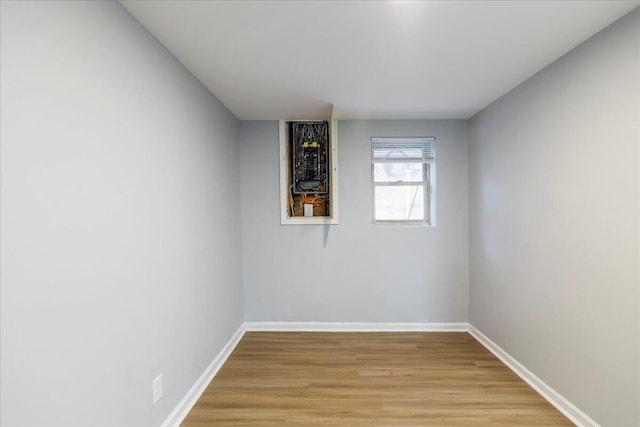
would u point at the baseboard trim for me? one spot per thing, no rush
(181, 411)
(545, 390)
(355, 327)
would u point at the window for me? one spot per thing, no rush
(403, 178)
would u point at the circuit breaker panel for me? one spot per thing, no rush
(310, 157)
(308, 169)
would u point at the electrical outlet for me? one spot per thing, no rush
(157, 389)
(308, 209)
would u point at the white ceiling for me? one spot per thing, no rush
(270, 60)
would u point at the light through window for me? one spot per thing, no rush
(401, 174)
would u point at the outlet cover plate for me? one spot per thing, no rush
(157, 389)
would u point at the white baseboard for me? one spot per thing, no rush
(355, 327)
(189, 400)
(556, 399)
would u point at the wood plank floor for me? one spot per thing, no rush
(368, 379)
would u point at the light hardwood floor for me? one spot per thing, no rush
(368, 379)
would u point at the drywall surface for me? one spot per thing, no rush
(355, 271)
(554, 224)
(120, 226)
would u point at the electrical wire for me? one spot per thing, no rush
(291, 200)
(314, 200)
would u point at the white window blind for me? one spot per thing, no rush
(402, 149)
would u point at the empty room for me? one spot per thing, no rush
(355, 213)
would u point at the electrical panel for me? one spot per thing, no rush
(310, 157)
(308, 160)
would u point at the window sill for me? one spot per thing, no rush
(402, 224)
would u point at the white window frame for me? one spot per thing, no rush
(427, 159)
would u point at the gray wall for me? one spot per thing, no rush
(355, 271)
(120, 227)
(554, 224)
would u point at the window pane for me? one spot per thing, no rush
(393, 172)
(399, 203)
